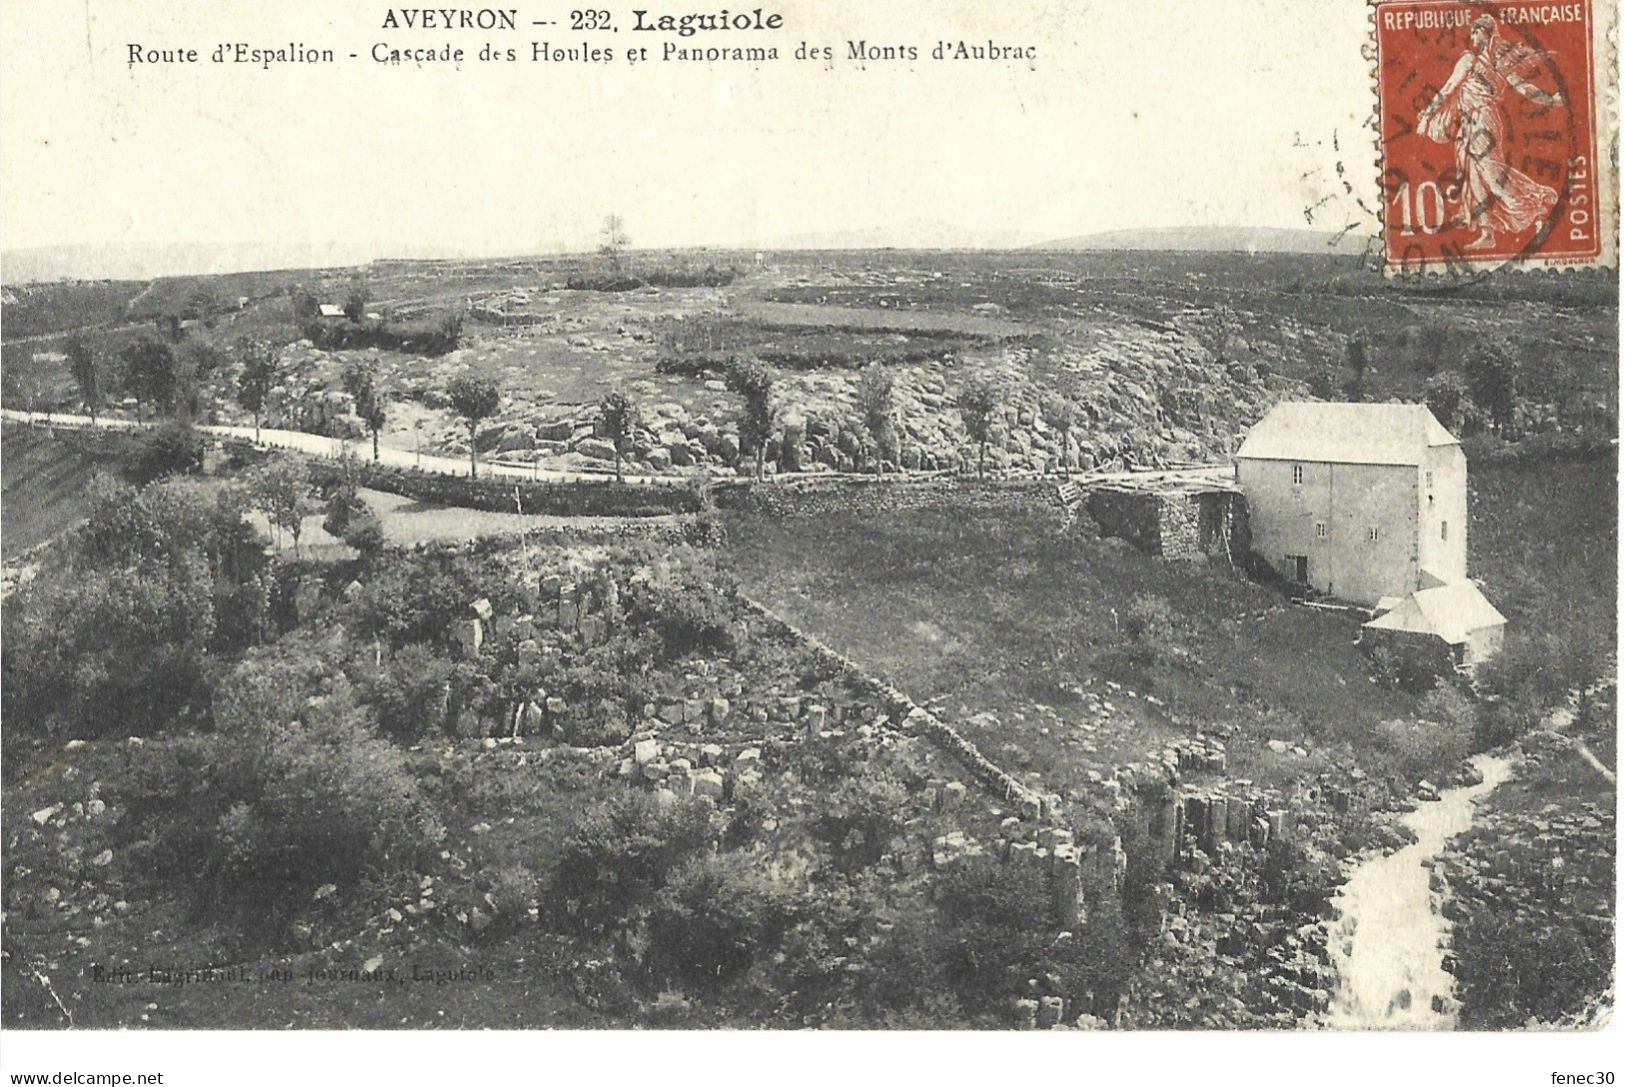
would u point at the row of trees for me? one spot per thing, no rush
(162, 376)
(979, 404)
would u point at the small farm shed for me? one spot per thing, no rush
(1175, 515)
(332, 312)
(1455, 617)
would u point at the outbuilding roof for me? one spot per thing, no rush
(1345, 433)
(1451, 612)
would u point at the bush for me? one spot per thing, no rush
(1412, 750)
(998, 923)
(173, 449)
(615, 856)
(691, 612)
(429, 337)
(714, 917)
(410, 695)
(510, 892)
(294, 792)
(861, 816)
(1510, 970)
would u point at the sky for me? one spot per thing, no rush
(1134, 113)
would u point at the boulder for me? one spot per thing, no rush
(706, 783)
(596, 448)
(518, 437)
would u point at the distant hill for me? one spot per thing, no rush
(1217, 239)
(907, 234)
(142, 261)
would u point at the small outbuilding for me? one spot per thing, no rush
(1454, 621)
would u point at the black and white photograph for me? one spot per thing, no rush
(875, 519)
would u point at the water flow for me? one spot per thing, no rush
(1387, 946)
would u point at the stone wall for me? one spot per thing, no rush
(1182, 524)
(915, 719)
(881, 493)
(572, 498)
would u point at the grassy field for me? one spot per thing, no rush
(1543, 537)
(1003, 624)
(43, 488)
(999, 620)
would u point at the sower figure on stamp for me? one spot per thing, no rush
(1496, 198)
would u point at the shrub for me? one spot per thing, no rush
(997, 922)
(295, 792)
(861, 816)
(172, 449)
(1413, 750)
(1151, 620)
(714, 917)
(1511, 970)
(691, 613)
(410, 694)
(615, 856)
(510, 892)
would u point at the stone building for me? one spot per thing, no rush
(1367, 503)
(1453, 622)
(1356, 501)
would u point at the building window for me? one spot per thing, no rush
(1297, 475)
(1444, 530)
(1372, 534)
(1320, 530)
(1430, 480)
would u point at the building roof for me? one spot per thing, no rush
(331, 311)
(1345, 433)
(1451, 612)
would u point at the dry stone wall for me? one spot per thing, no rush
(1176, 524)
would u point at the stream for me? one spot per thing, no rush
(1387, 943)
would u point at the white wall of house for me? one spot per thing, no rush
(1328, 513)
(1442, 512)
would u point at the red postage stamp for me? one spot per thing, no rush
(1489, 123)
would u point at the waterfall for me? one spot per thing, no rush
(1388, 944)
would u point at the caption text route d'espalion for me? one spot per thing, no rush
(583, 21)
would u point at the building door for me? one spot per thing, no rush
(1298, 568)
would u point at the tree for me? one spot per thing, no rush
(24, 379)
(450, 331)
(978, 402)
(1448, 399)
(355, 303)
(281, 488)
(306, 307)
(875, 404)
(257, 379)
(150, 373)
(1062, 415)
(613, 240)
(617, 415)
(1492, 375)
(370, 404)
(194, 360)
(754, 384)
(87, 366)
(475, 399)
(1433, 345)
(1355, 354)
